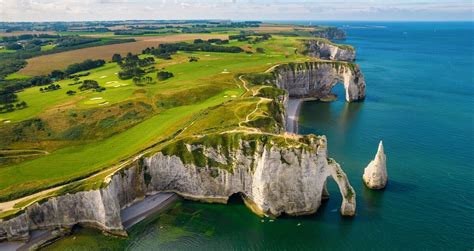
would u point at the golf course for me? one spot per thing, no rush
(85, 135)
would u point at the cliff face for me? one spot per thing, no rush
(326, 50)
(273, 174)
(331, 33)
(316, 79)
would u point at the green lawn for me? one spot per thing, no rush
(47, 47)
(3, 50)
(76, 161)
(16, 76)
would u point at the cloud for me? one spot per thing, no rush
(79, 10)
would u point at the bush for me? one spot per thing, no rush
(13, 46)
(164, 75)
(70, 92)
(91, 84)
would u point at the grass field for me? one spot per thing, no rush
(197, 86)
(45, 64)
(3, 50)
(16, 76)
(47, 47)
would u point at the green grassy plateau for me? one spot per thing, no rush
(81, 138)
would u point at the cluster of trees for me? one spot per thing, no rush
(13, 46)
(84, 66)
(194, 29)
(251, 38)
(211, 41)
(140, 81)
(27, 37)
(51, 87)
(74, 40)
(90, 84)
(8, 88)
(208, 47)
(131, 64)
(12, 62)
(246, 24)
(10, 107)
(141, 32)
(165, 51)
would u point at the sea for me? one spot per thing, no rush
(420, 103)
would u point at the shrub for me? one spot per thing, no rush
(164, 75)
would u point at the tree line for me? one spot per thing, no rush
(251, 38)
(165, 51)
(9, 88)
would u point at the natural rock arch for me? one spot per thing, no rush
(314, 80)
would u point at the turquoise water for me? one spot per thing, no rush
(420, 89)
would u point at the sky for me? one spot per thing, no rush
(364, 10)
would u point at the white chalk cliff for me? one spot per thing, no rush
(324, 49)
(273, 174)
(316, 79)
(375, 174)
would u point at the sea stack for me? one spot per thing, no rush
(375, 174)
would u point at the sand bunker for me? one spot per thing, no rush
(97, 98)
(114, 84)
(103, 76)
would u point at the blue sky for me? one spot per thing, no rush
(78, 10)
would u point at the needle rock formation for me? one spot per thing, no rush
(375, 174)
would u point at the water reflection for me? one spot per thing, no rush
(349, 115)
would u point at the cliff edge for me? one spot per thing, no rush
(315, 80)
(325, 49)
(274, 174)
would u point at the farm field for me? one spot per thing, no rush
(46, 63)
(173, 105)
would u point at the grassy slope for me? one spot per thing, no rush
(76, 161)
(81, 160)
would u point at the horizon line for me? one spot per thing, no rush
(248, 20)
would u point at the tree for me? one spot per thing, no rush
(117, 58)
(70, 92)
(13, 46)
(163, 75)
(57, 74)
(198, 41)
